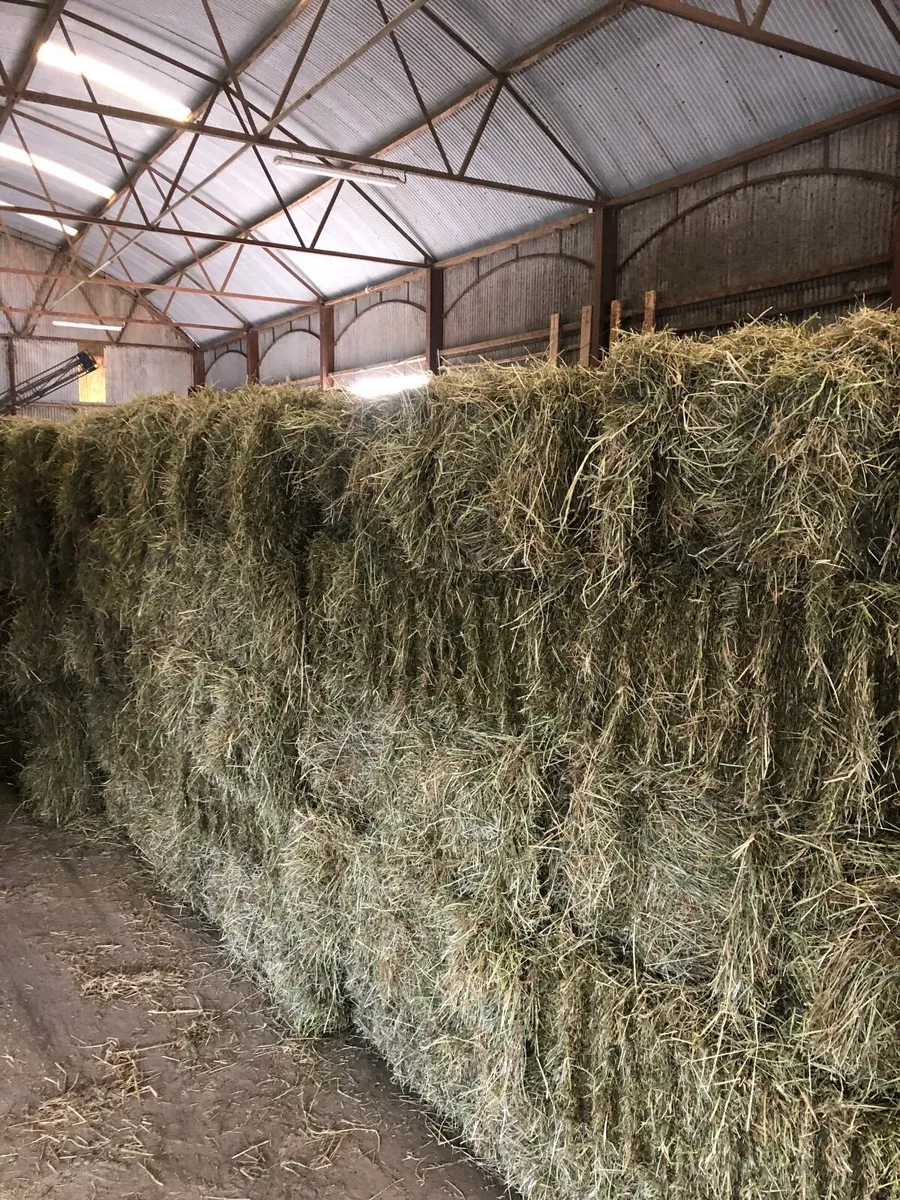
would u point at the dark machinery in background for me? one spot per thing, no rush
(49, 381)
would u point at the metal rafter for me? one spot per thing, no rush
(411, 80)
(888, 20)
(774, 41)
(301, 57)
(412, 7)
(226, 239)
(147, 286)
(43, 31)
(521, 62)
(520, 100)
(293, 145)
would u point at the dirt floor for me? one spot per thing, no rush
(134, 1064)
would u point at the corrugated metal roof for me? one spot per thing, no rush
(643, 97)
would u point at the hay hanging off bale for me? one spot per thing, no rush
(543, 725)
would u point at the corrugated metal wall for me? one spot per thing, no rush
(387, 322)
(23, 262)
(34, 355)
(294, 355)
(804, 231)
(135, 371)
(228, 371)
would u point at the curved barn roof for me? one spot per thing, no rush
(559, 105)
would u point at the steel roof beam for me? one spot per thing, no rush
(774, 41)
(43, 31)
(521, 62)
(263, 140)
(226, 239)
(130, 285)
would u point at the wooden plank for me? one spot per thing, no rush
(199, 358)
(11, 368)
(615, 322)
(326, 347)
(603, 284)
(434, 318)
(649, 312)
(895, 265)
(253, 356)
(553, 348)
(584, 342)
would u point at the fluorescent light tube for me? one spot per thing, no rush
(87, 325)
(142, 94)
(373, 176)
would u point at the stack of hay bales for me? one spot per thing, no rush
(544, 727)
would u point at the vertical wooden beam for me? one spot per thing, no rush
(615, 321)
(649, 312)
(434, 317)
(895, 268)
(586, 340)
(11, 369)
(553, 348)
(199, 368)
(253, 356)
(326, 346)
(603, 285)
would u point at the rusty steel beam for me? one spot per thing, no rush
(604, 277)
(247, 140)
(434, 317)
(774, 41)
(806, 133)
(244, 63)
(43, 31)
(89, 318)
(521, 62)
(326, 346)
(226, 239)
(132, 285)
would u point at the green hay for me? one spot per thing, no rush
(542, 726)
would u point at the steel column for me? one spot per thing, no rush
(326, 346)
(434, 317)
(603, 280)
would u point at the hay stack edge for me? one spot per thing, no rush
(542, 727)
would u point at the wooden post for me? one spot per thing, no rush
(434, 318)
(603, 288)
(584, 344)
(11, 371)
(895, 268)
(199, 368)
(553, 349)
(649, 312)
(615, 321)
(326, 346)
(253, 356)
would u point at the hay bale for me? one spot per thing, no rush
(545, 725)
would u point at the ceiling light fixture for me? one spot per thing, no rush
(377, 386)
(50, 222)
(147, 97)
(87, 325)
(46, 166)
(372, 176)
